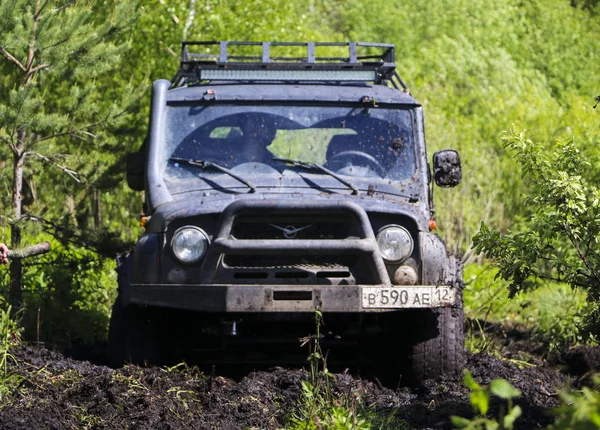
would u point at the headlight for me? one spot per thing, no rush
(395, 243)
(189, 244)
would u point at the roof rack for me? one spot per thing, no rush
(365, 62)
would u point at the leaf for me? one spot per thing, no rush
(470, 382)
(460, 422)
(503, 389)
(491, 425)
(510, 418)
(480, 400)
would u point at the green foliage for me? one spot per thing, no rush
(10, 337)
(55, 115)
(579, 410)
(320, 408)
(69, 293)
(559, 240)
(553, 313)
(480, 401)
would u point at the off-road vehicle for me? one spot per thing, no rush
(276, 184)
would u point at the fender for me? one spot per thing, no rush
(437, 267)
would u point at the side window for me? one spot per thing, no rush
(225, 132)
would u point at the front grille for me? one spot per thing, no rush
(290, 228)
(308, 233)
(289, 262)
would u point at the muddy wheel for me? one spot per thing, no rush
(132, 336)
(439, 346)
(441, 350)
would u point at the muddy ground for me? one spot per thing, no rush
(54, 392)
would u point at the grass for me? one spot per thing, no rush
(10, 337)
(553, 313)
(320, 406)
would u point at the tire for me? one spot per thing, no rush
(439, 348)
(132, 336)
(443, 353)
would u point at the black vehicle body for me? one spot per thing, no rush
(297, 225)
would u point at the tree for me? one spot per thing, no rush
(53, 53)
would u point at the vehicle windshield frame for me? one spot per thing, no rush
(389, 185)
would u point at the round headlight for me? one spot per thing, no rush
(395, 243)
(189, 244)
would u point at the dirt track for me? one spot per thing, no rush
(59, 393)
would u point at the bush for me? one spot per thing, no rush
(553, 313)
(558, 242)
(67, 294)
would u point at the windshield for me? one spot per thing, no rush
(352, 142)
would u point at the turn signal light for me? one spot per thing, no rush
(432, 225)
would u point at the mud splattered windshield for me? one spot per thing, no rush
(349, 141)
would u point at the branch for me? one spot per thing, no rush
(19, 146)
(31, 50)
(30, 251)
(40, 10)
(9, 57)
(175, 18)
(60, 42)
(583, 258)
(8, 141)
(190, 20)
(72, 173)
(62, 234)
(72, 132)
(37, 69)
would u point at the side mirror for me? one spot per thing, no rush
(446, 168)
(135, 170)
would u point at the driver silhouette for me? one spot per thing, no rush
(257, 134)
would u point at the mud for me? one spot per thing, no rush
(54, 392)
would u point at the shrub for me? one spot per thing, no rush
(559, 240)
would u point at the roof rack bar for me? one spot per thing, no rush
(184, 52)
(223, 52)
(266, 52)
(352, 49)
(311, 53)
(366, 62)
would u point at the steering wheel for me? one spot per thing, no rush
(357, 158)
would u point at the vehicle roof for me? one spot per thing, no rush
(281, 92)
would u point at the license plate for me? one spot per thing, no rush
(422, 296)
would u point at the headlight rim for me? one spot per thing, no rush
(191, 227)
(412, 243)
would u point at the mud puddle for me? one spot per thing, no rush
(55, 392)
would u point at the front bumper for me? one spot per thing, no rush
(286, 298)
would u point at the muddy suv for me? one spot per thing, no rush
(277, 185)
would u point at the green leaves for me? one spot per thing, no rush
(503, 389)
(480, 402)
(480, 397)
(559, 240)
(579, 410)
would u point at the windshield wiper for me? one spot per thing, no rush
(210, 165)
(313, 166)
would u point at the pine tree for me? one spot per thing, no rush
(54, 55)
